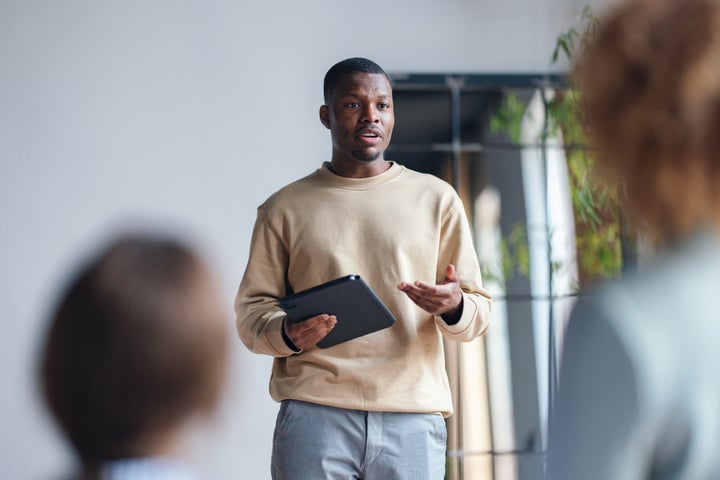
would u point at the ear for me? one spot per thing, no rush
(325, 116)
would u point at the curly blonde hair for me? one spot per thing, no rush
(650, 80)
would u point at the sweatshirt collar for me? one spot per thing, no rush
(360, 183)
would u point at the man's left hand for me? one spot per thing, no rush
(442, 299)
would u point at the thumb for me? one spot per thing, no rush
(450, 274)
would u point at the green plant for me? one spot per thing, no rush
(515, 257)
(566, 42)
(597, 215)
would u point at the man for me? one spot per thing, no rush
(371, 407)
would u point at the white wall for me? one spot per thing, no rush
(187, 114)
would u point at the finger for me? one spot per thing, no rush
(313, 322)
(322, 325)
(416, 286)
(450, 274)
(439, 300)
(429, 304)
(423, 288)
(310, 339)
(308, 332)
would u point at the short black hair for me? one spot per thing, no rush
(345, 67)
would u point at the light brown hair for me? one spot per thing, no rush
(136, 346)
(650, 80)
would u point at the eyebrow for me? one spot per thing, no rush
(356, 95)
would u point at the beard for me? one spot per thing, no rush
(365, 155)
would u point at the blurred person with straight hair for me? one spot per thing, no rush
(639, 388)
(136, 349)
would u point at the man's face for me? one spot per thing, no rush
(360, 117)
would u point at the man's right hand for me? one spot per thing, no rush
(309, 332)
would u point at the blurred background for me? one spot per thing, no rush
(184, 116)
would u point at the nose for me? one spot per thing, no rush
(370, 114)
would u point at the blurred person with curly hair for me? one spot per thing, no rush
(639, 391)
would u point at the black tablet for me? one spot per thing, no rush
(358, 310)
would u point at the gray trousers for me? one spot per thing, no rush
(317, 442)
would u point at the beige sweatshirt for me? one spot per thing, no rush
(398, 226)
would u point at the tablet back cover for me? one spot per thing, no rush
(358, 310)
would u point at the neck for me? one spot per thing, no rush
(358, 169)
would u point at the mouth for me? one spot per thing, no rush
(370, 137)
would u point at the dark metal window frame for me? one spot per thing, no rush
(456, 84)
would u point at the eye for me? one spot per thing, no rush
(384, 105)
(352, 105)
